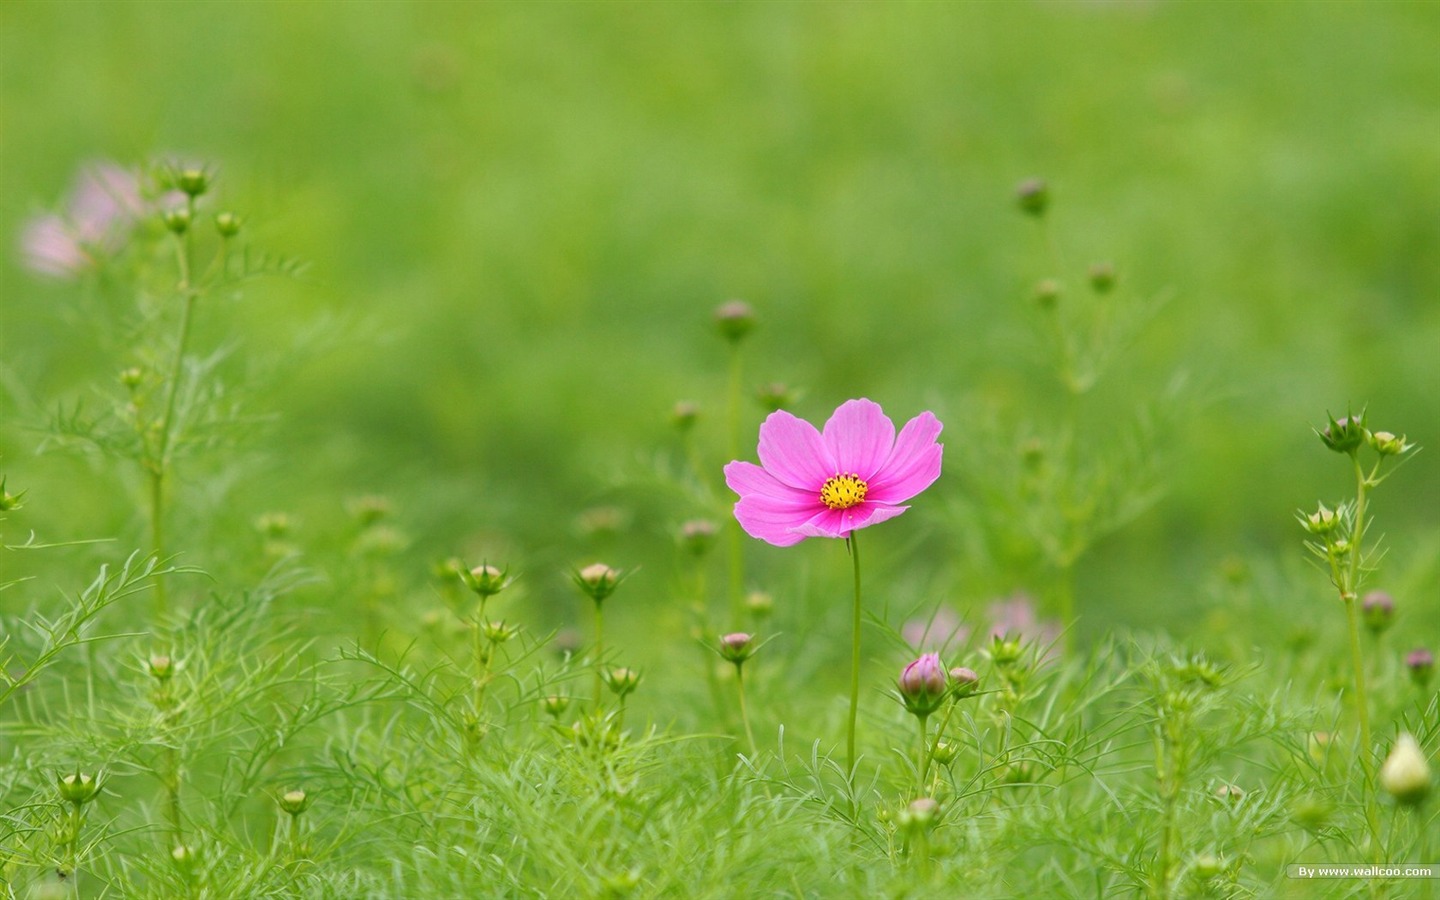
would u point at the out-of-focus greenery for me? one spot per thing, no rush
(518, 218)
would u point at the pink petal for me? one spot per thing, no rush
(763, 518)
(838, 523)
(860, 437)
(914, 463)
(748, 479)
(49, 248)
(793, 451)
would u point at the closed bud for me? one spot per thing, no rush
(1207, 866)
(485, 580)
(9, 501)
(760, 604)
(1322, 521)
(78, 788)
(945, 753)
(697, 536)
(193, 182)
(1345, 435)
(1047, 294)
(597, 581)
(228, 224)
(555, 704)
(737, 647)
(1387, 444)
(1033, 196)
(734, 319)
(498, 632)
(1005, 651)
(368, 510)
(923, 685)
(1378, 610)
(1102, 277)
(920, 815)
(776, 396)
(684, 414)
(294, 802)
(1406, 773)
(184, 856)
(963, 682)
(273, 525)
(621, 681)
(177, 221)
(1230, 792)
(1421, 663)
(131, 378)
(161, 668)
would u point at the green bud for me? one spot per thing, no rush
(177, 221)
(734, 319)
(132, 377)
(498, 632)
(294, 802)
(161, 668)
(555, 704)
(9, 501)
(697, 536)
(945, 753)
(1344, 435)
(737, 647)
(485, 580)
(1102, 277)
(1033, 196)
(193, 182)
(963, 682)
(1405, 774)
(684, 414)
(1322, 522)
(1387, 444)
(597, 581)
(1378, 611)
(776, 396)
(368, 510)
(1047, 294)
(621, 681)
(760, 604)
(1005, 651)
(78, 788)
(228, 224)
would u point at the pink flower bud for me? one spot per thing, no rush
(923, 684)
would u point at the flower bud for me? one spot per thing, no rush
(684, 414)
(498, 632)
(1405, 774)
(597, 581)
(228, 224)
(1421, 663)
(760, 604)
(963, 682)
(737, 647)
(193, 182)
(1232, 793)
(621, 681)
(945, 753)
(697, 536)
(78, 788)
(9, 501)
(1207, 866)
(132, 377)
(1378, 610)
(1033, 196)
(368, 510)
(183, 856)
(161, 668)
(177, 221)
(1387, 444)
(1005, 651)
(273, 524)
(485, 580)
(1102, 277)
(294, 802)
(920, 814)
(1047, 294)
(1318, 746)
(734, 319)
(923, 685)
(1345, 435)
(776, 396)
(1322, 521)
(555, 704)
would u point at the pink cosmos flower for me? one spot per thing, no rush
(828, 483)
(102, 206)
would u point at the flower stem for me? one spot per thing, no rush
(922, 764)
(1350, 593)
(159, 467)
(482, 661)
(736, 549)
(599, 654)
(854, 658)
(744, 714)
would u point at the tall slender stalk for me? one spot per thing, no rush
(854, 546)
(744, 713)
(735, 548)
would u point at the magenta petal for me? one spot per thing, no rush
(860, 436)
(838, 523)
(914, 463)
(775, 523)
(793, 451)
(748, 479)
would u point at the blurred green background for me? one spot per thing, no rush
(519, 217)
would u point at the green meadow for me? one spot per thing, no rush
(375, 295)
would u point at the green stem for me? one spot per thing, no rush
(160, 466)
(736, 547)
(922, 765)
(1160, 887)
(744, 714)
(854, 658)
(599, 654)
(935, 745)
(1349, 593)
(482, 661)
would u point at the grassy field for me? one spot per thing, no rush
(479, 255)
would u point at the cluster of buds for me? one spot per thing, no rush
(597, 581)
(1348, 434)
(925, 684)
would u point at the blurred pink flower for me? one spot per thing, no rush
(827, 484)
(99, 213)
(1016, 618)
(938, 632)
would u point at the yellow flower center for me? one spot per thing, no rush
(843, 491)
